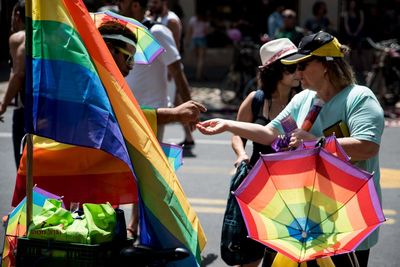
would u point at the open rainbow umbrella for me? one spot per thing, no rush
(308, 204)
(147, 47)
(16, 223)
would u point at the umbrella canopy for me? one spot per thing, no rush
(308, 204)
(16, 223)
(147, 47)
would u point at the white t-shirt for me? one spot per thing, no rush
(149, 82)
(170, 16)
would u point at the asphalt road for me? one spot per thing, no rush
(205, 178)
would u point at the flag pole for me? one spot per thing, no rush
(29, 141)
(29, 179)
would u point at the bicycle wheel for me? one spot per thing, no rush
(230, 87)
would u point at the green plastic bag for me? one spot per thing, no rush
(56, 223)
(96, 226)
(101, 222)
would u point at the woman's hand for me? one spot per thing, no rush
(213, 126)
(298, 136)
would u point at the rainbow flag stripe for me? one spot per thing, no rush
(78, 96)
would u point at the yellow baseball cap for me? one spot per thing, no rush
(321, 44)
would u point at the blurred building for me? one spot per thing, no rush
(249, 16)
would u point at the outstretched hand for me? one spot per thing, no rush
(189, 112)
(213, 126)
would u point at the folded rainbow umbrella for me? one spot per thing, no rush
(16, 223)
(76, 95)
(174, 154)
(308, 204)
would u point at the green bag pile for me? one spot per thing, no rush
(96, 226)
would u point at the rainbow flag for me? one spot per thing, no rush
(93, 176)
(76, 95)
(98, 174)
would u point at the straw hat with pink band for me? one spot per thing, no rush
(275, 50)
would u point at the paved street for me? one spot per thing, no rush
(206, 174)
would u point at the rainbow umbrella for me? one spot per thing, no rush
(308, 204)
(147, 47)
(174, 155)
(16, 223)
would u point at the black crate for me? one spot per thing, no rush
(47, 253)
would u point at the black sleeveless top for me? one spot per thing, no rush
(258, 118)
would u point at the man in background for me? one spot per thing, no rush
(16, 82)
(160, 12)
(149, 83)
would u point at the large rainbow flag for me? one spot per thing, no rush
(79, 174)
(93, 175)
(76, 95)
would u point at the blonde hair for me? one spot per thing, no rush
(339, 72)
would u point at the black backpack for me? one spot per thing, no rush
(236, 247)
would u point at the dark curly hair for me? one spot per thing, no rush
(114, 27)
(270, 76)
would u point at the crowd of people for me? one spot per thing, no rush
(299, 66)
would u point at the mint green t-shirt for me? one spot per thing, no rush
(359, 109)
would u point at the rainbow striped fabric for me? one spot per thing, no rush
(78, 96)
(93, 176)
(98, 174)
(309, 204)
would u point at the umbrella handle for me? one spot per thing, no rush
(320, 142)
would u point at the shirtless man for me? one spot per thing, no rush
(16, 82)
